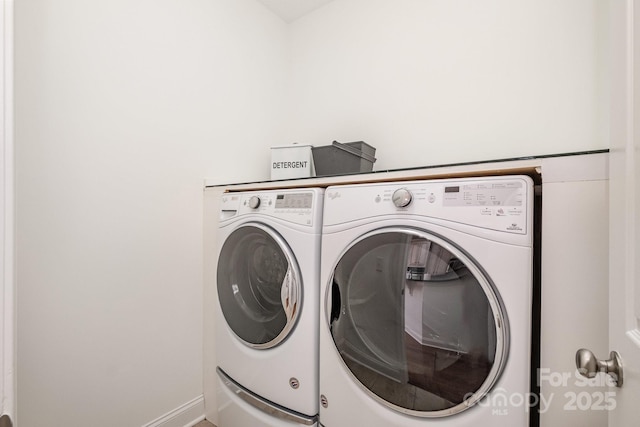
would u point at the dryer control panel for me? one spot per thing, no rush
(495, 203)
(484, 194)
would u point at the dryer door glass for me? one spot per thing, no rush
(258, 286)
(416, 322)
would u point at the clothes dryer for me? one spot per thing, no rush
(268, 308)
(426, 303)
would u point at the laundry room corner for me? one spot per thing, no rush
(451, 281)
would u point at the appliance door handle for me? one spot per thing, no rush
(263, 405)
(289, 294)
(336, 302)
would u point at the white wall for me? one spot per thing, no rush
(434, 81)
(122, 108)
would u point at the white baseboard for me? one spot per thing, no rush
(185, 415)
(416, 335)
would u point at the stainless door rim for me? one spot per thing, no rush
(495, 302)
(291, 289)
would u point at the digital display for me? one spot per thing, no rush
(294, 201)
(452, 189)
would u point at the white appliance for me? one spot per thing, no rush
(426, 303)
(268, 308)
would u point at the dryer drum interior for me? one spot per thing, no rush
(258, 286)
(417, 322)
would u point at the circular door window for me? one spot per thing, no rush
(258, 286)
(417, 323)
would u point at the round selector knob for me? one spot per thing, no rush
(254, 202)
(401, 197)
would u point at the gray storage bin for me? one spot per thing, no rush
(338, 159)
(365, 148)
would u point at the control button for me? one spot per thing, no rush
(254, 202)
(401, 197)
(431, 198)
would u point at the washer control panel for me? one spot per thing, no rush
(296, 207)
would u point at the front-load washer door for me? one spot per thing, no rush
(417, 322)
(259, 286)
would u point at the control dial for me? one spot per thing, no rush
(401, 197)
(254, 202)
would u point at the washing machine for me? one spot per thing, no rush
(267, 309)
(426, 303)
